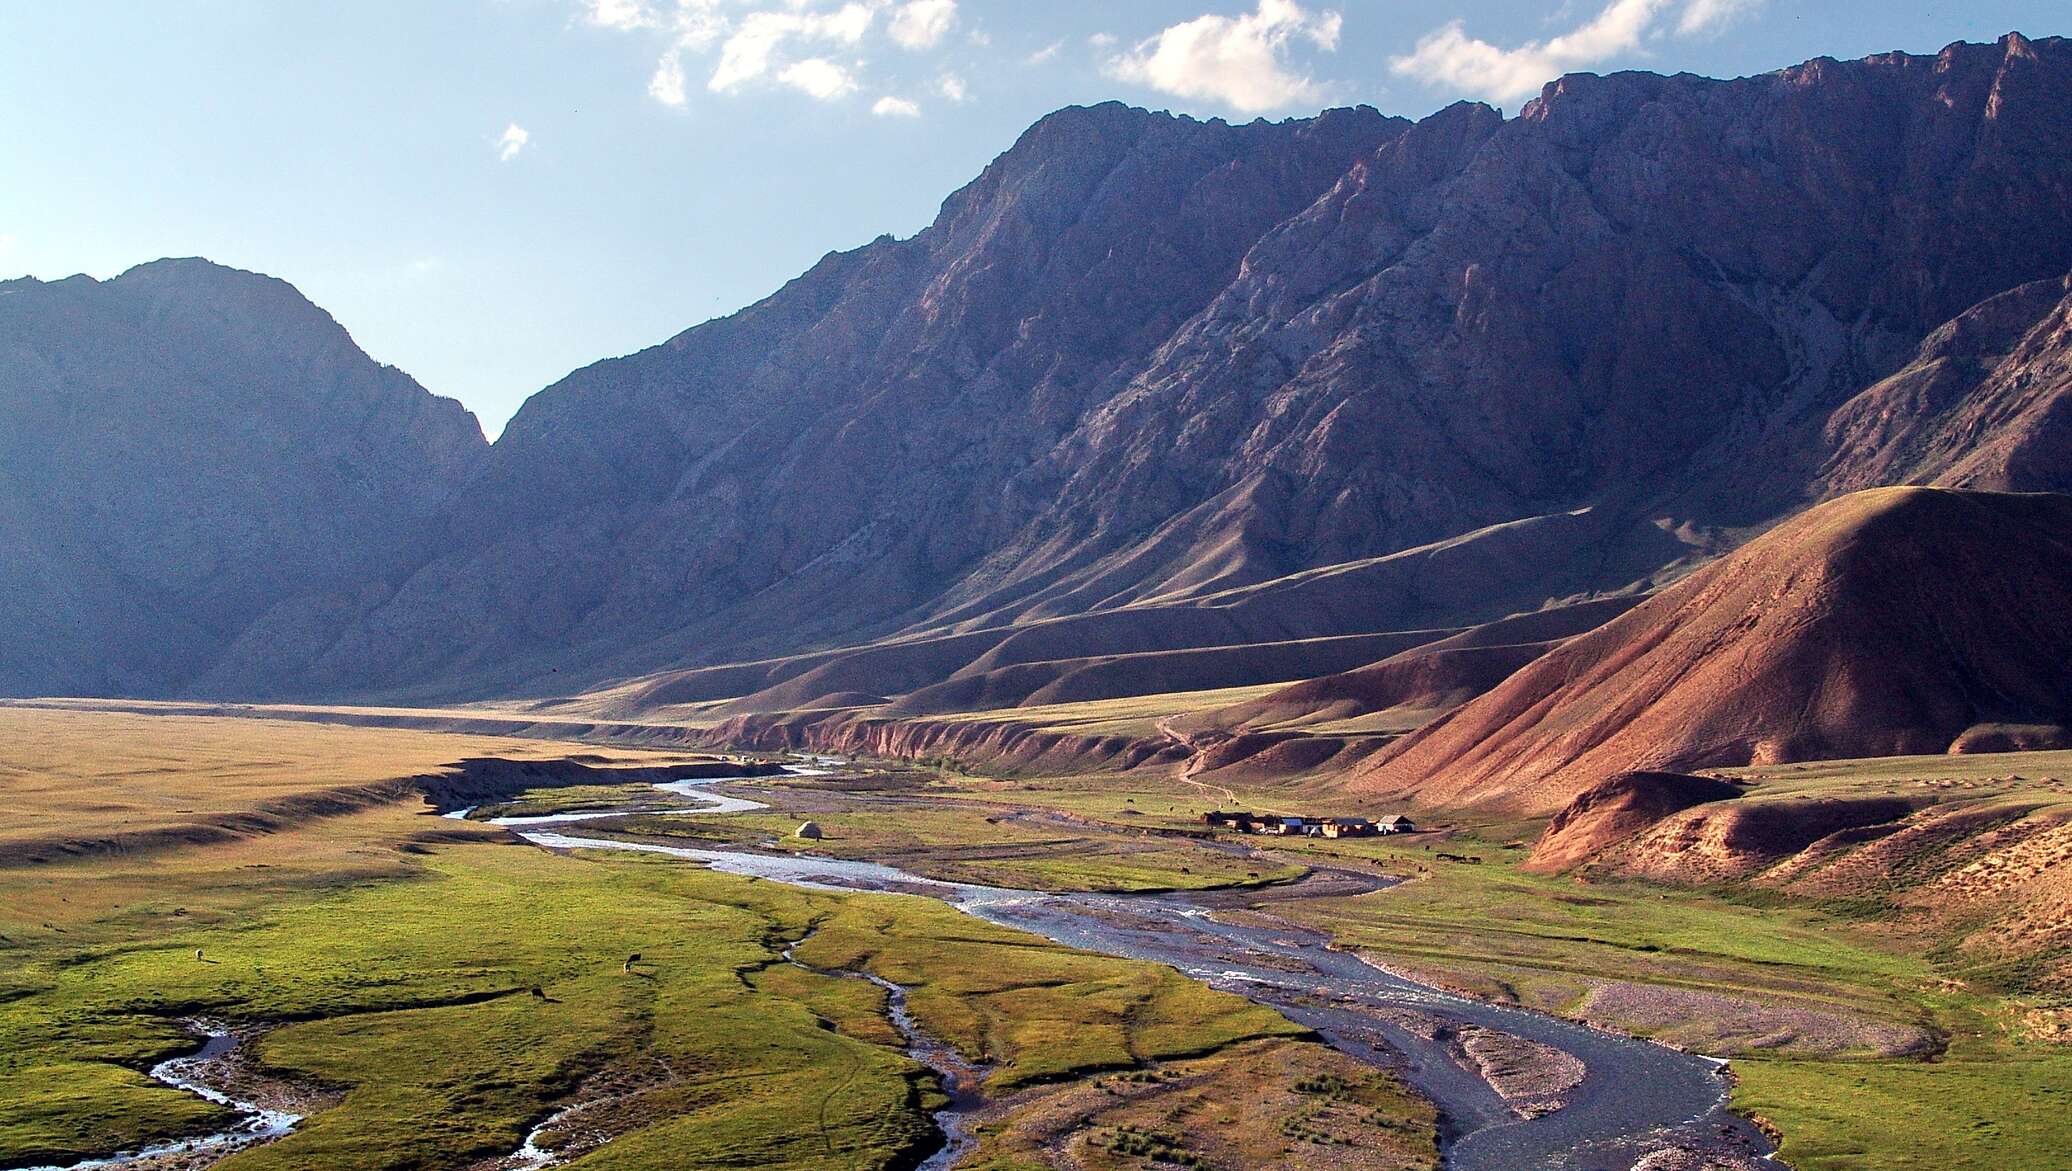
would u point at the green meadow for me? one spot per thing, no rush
(438, 989)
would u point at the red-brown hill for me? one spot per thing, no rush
(1883, 623)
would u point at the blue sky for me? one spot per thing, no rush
(490, 193)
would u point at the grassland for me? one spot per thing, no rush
(1838, 1024)
(1263, 1106)
(988, 846)
(105, 779)
(1133, 715)
(446, 988)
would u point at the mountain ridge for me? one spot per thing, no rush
(183, 447)
(1151, 387)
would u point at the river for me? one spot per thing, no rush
(1635, 1098)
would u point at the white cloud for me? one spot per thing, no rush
(619, 14)
(1045, 53)
(818, 77)
(666, 86)
(1450, 58)
(512, 142)
(1101, 40)
(813, 46)
(922, 24)
(750, 51)
(891, 107)
(1710, 16)
(952, 87)
(1240, 61)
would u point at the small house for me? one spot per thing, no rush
(1349, 827)
(1398, 824)
(1286, 826)
(1241, 822)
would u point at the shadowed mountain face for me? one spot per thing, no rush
(842, 451)
(182, 448)
(1986, 403)
(1150, 386)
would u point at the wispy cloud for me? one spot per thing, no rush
(1710, 16)
(922, 24)
(619, 14)
(1045, 53)
(812, 46)
(1241, 61)
(1448, 57)
(667, 85)
(891, 107)
(512, 142)
(750, 51)
(818, 77)
(952, 87)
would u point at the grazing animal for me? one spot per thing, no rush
(630, 961)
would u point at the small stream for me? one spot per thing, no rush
(1635, 1098)
(960, 1080)
(256, 1124)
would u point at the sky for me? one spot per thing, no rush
(491, 193)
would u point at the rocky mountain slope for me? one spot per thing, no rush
(182, 448)
(1159, 405)
(1893, 622)
(1144, 361)
(1986, 403)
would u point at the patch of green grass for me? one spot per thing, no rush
(413, 996)
(977, 844)
(396, 966)
(1036, 1013)
(1986, 1106)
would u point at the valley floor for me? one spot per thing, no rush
(432, 989)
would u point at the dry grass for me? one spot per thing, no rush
(1132, 715)
(84, 775)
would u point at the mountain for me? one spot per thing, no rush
(831, 457)
(1986, 403)
(1144, 361)
(1162, 405)
(182, 448)
(1897, 621)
